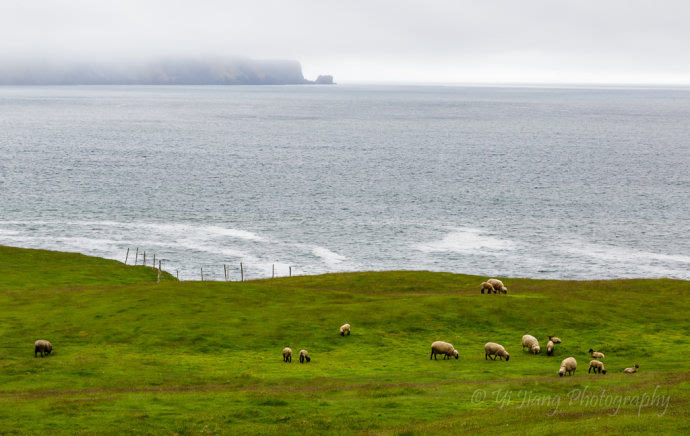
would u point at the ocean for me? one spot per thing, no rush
(563, 183)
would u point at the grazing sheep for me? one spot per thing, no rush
(498, 286)
(345, 328)
(494, 349)
(596, 354)
(532, 343)
(42, 346)
(440, 347)
(632, 370)
(555, 340)
(486, 286)
(569, 365)
(549, 347)
(597, 366)
(303, 355)
(287, 354)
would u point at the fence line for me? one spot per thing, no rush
(226, 268)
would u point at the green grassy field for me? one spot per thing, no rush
(131, 355)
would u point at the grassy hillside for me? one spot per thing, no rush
(205, 357)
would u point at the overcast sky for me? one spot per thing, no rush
(485, 41)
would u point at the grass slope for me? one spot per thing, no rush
(204, 357)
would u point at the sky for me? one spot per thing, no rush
(490, 41)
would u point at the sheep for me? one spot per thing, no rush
(532, 343)
(498, 286)
(549, 347)
(597, 366)
(569, 365)
(303, 355)
(42, 346)
(287, 354)
(440, 347)
(632, 370)
(596, 354)
(494, 349)
(486, 286)
(555, 340)
(345, 328)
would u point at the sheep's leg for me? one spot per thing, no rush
(431, 356)
(486, 355)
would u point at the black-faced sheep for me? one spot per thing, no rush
(287, 354)
(596, 366)
(596, 354)
(555, 340)
(486, 286)
(569, 365)
(440, 347)
(530, 342)
(549, 348)
(494, 349)
(304, 356)
(42, 346)
(345, 328)
(632, 370)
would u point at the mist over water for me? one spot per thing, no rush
(545, 183)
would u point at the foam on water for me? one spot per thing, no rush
(547, 183)
(468, 241)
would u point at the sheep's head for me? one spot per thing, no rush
(507, 356)
(637, 366)
(590, 351)
(455, 353)
(561, 371)
(536, 349)
(603, 371)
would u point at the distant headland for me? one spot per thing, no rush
(231, 71)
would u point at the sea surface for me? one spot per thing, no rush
(564, 183)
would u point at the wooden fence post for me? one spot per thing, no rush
(144, 258)
(241, 272)
(159, 270)
(136, 257)
(290, 271)
(202, 274)
(127, 256)
(273, 272)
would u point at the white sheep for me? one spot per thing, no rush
(494, 349)
(555, 340)
(440, 347)
(632, 370)
(42, 346)
(597, 366)
(498, 286)
(287, 354)
(549, 348)
(486, 286)
(596, 354)
(569, 365)
(345, 328)
(529, 341)
(303, 355)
